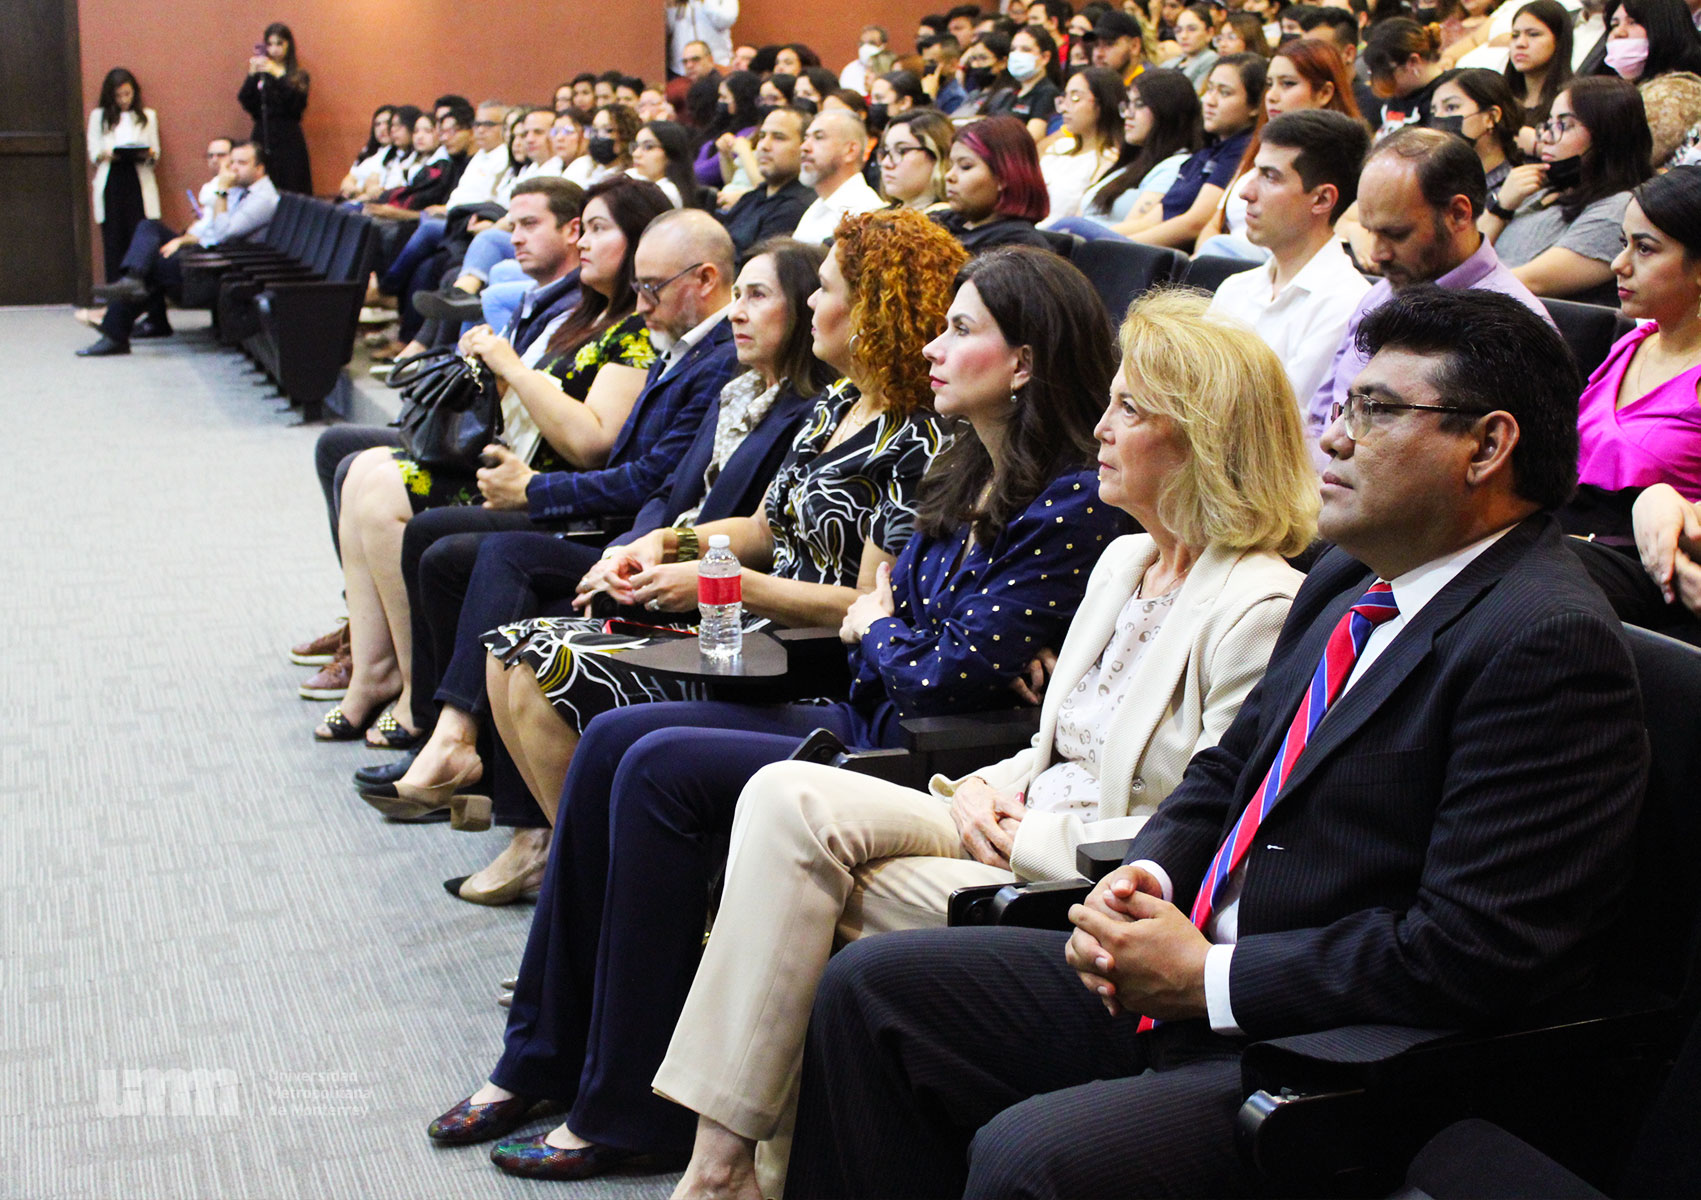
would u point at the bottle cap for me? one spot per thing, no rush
(719, 541)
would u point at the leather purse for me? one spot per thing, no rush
(450, 409)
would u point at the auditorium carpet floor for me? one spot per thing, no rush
(221, 974)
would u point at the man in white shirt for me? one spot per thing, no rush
(872, 59)
(834, 149)
(1423, 818)
(488, 161)
(707, 21)
(1304, 177)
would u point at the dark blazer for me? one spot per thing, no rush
(1457, 834)
(662, 425)
(744, 477)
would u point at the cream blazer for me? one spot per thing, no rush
(1210, 651)
(101, 140)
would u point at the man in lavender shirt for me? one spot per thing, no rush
(1419, 197)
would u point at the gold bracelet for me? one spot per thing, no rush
(686, 548)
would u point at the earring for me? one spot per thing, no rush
(1015, 398)
(854, 339)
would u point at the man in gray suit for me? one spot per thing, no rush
(1422, 816)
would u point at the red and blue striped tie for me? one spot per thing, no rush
(1340, 654)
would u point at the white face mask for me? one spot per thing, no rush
(1023, 65)
(867, 52)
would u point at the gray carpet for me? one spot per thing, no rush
(221, 974)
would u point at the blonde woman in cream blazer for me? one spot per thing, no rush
(821, 856)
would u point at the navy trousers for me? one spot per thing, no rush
(162, 275)
(973, 1062)
(619, 926)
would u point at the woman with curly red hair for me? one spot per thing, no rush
(1008, 527)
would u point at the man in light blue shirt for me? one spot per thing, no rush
(243, 202)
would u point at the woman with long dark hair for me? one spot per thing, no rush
(1234, 92)
(123, 145)
(661, 153)
(1646, 38)
(275, 95)
(1479, 106)
(368, 166)
(1556, 222)
(1091, 105)
(719, 161)
(582, 389)
(1006, 572)
(1538, 64)
(1162, 129)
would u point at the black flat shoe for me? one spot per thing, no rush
(105, 348)
(365, 777)
(147, 328)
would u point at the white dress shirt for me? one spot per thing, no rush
(850, 198)
(1304, 321)
(1412, 591)
(706, 21)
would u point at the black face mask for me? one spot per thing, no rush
(1452, 125)
(876, 118)
(602, 150)
(976, 79)
(1565, 173)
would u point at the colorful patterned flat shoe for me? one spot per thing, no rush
(467, 1123)
(536, 1159)
(387, 733)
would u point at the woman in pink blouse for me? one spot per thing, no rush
(1639, 420)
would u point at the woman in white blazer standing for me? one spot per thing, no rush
(1201, 443)
(123, 146)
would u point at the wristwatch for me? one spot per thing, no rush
(686, 544)
(1496, 208)
(219, 194)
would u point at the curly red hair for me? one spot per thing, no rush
(899, 267)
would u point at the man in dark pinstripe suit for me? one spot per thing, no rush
(1444, 846)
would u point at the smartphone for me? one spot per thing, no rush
(195, 202)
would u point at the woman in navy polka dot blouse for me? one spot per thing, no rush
(1008, 530)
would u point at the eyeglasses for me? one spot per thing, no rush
(562, 130)
(893, 155)
(1129, 107)
(486, 124)
(652, 291)
(1361, 412)
(1557, 126)
(1065, 100)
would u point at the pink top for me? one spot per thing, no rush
(1655, 438)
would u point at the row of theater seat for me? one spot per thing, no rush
(291, 301)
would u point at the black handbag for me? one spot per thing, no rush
(450, 409)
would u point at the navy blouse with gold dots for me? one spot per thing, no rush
(968, 620)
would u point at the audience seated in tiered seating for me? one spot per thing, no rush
(915, 476)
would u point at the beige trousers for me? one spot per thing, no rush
(818, 857)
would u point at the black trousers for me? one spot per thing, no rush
(973, 1062)
(164, 276)
(122, 201)
(455, 595)
(331, 454)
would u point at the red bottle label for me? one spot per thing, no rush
(724, 589)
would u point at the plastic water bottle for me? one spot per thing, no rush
(720, 601)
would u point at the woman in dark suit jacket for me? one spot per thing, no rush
(275, 95)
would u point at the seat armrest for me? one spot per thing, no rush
(997, 733)
(1095, 860)
(1043, 905)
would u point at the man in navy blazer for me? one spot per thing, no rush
(1445, 847)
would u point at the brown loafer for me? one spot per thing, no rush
(330, 682)
(322, 649)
